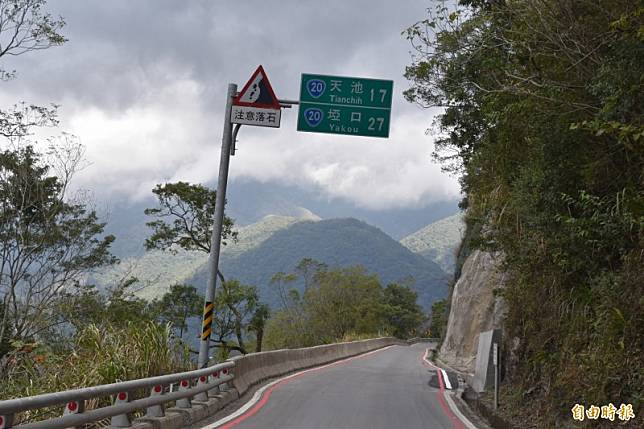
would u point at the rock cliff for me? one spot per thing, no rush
(474, 308)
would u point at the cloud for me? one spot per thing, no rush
(143, 83)
(373, 173)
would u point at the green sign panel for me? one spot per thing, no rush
(345, 105)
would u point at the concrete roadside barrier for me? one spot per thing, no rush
(253, 368)
(200, 392)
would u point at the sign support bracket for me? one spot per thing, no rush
(232, 146)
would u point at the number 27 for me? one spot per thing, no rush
(372, 123)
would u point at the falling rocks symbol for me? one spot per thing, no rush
(258, 92)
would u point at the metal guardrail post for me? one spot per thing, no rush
(124, 403)
(184, 386)
(74, 407)
(6, 421)
(203, 396)
(495, 361)
(224, 386)
(217, 385)
(211, 379)
(121, 420)
(155, 410)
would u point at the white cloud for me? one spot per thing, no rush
(148, 143)
(148, 101)
(373, 173)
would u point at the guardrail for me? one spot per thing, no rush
(202, 385)
(199, 393)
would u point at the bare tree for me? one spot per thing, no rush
(24, 27)
(48, 238)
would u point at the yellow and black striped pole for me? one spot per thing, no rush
(207, 321)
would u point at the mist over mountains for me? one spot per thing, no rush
(276, 231)
(250, 201)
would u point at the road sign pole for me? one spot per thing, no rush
(215, 240)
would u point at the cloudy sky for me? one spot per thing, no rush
(142, 84)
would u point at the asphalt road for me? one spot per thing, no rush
(389, 389)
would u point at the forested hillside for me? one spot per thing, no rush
(543, 118)
(157, 270)
(438, 241)
(337, 243)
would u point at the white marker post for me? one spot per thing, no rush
(495, 361)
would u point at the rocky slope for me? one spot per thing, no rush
(474, 308)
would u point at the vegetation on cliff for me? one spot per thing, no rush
(542, 116)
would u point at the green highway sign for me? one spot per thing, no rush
(345, 105)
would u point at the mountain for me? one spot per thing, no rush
(338, 243)
(253, 235)
(438, 241)
(158, 270)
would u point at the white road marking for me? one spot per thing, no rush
(448, 385)
(458, 413)
(450, 401)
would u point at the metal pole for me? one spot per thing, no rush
(215, 240)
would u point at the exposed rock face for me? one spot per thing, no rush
(474, 309)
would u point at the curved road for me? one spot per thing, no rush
(389, 389)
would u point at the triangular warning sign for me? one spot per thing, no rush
(257, 92)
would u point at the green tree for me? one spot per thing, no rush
(41, 225)
(344, 301)
(5, 344)
(25, 27)
(439, 317)
(402, 312)
(338, 303)
(116, 305)
(542, 116)
(177, 305)
(307, 269)
(242, 301)
(292, 311)
(184, 218)
(49, 241)
(257, 324)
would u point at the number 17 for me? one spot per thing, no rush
(383, 94)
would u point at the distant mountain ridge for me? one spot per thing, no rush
(278, 243)
(338, 243)
(438, 241)
(158, 270)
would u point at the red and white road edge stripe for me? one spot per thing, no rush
(445, 399)
(260, 398)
